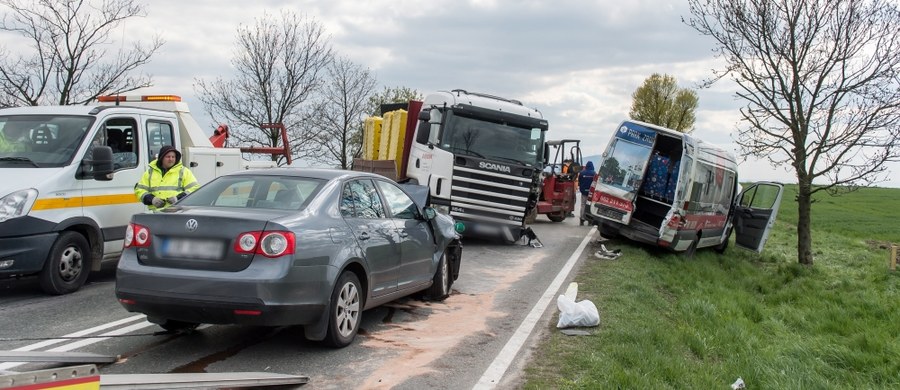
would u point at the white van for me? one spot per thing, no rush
(663, 187)
(62, 210)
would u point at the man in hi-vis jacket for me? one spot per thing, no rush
(166, 181)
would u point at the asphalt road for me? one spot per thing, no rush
(407, 344)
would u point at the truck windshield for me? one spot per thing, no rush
(42, 141)
(492, 140)
(623, 164)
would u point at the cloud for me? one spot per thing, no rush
(578, 62)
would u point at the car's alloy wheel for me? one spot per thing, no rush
(345, 310)
(440, 284)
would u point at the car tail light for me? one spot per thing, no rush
(136, 235)
(269, 244)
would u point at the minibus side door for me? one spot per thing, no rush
(754, 215)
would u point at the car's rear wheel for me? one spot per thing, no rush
(68, 264)
(344, 313)
(178, 326)
(440, 284)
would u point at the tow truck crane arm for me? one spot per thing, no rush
(221, 134)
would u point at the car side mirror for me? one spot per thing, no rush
(429, 213)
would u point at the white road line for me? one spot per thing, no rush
(85, 332)
(501, 363)
(99, 338)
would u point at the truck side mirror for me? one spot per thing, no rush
(546, 153)
(434, 121)
(101, 162)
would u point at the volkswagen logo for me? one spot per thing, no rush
(191, 224)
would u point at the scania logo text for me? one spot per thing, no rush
(494, 167)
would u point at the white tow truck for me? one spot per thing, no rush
(68, 176)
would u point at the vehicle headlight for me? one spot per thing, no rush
(17, 204)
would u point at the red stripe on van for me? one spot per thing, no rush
(700, 222)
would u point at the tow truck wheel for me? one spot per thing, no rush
(68, 265)
(440, 286)
(345, 311)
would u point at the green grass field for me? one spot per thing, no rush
(672, 322)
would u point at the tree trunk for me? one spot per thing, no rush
(804, 235)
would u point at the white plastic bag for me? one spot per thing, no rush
(582, 313)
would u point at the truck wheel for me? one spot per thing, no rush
(68, 264)
(345, 311)
(557, 217)
(440, 284)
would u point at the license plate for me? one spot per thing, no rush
(191, 248)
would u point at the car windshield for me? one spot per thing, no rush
(492, 140)
(251, 191)
(42, 141)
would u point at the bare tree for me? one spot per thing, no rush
(278, 65)
(659, 101)
(336, 124)
(68, 61)
(392, 95)
(820, 79)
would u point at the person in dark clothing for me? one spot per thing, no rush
(585, 178)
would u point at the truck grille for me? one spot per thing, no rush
(488, 196)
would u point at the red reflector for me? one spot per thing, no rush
(247, 312)
(127, 301)
(664, 244)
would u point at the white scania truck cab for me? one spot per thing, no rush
(481, 156)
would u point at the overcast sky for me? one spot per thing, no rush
(578, 62)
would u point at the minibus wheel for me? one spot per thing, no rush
(692, 250)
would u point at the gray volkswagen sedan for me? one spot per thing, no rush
(286, 246)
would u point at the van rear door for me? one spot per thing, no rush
(754, 214)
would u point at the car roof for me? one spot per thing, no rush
(317, 173)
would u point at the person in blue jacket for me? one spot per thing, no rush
(585, 177)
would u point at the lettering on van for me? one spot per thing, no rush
(637, 134)
(494, 167)
(612, 201)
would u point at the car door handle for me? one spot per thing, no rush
(363, 236)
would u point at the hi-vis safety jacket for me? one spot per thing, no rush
(178, 181)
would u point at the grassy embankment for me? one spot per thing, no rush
(672, 322)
